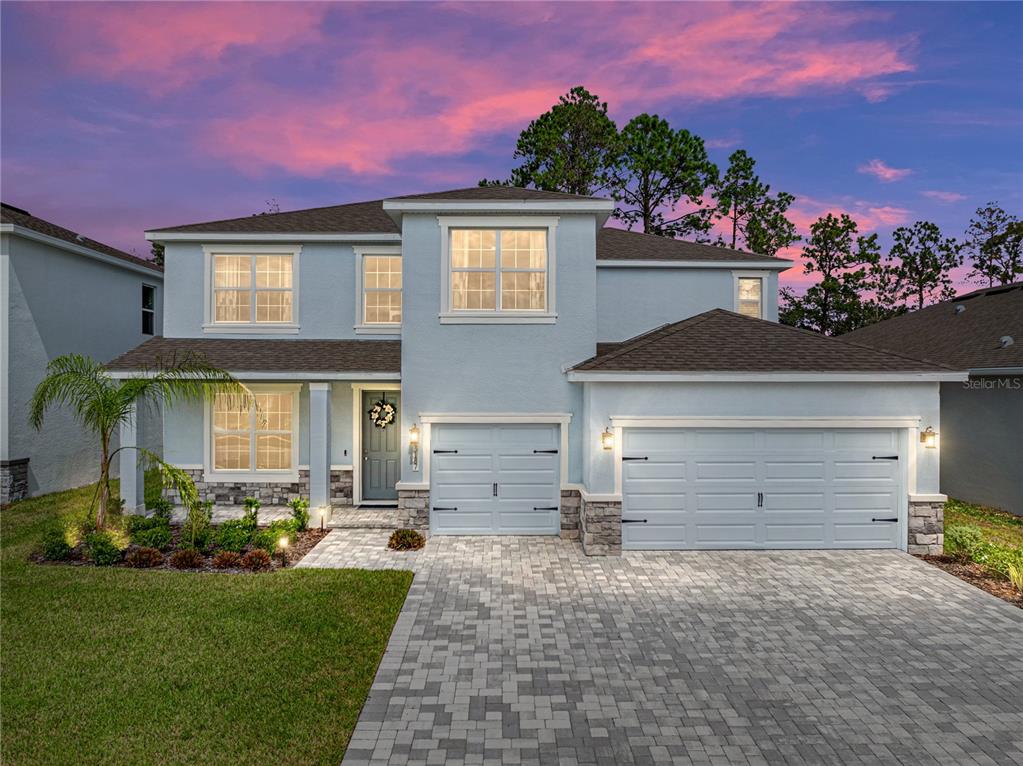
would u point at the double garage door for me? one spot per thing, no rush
(760, 488)
(495, 479)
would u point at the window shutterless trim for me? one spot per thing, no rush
(210, 325)
(737, 277)
(362, 327)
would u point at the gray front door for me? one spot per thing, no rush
(381, 448)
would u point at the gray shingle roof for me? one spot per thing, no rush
(722, 341)
(356, 217)
(621, 245)
(18, 217)
(964, 333)
(486, 193)
(267, 355)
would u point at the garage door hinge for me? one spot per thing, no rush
(633, 521)
(546, 508)
(884, 457)
(439, 508)
(445, 452)
(545, 452)
(891, 520)
(635, 458)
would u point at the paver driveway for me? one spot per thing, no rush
(522, 650)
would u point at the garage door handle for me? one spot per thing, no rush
(545, 452)
(891, 520)
(884, 457)
(633, 521)
(445, 452)
(546, 508)
(635, 458)
(441, 508)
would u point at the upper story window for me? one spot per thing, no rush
(148, 310)
(252, 289)
(378, 288)
(498, 273)
(749, 297)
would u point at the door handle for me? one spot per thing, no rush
(495, 489)
(760, 499)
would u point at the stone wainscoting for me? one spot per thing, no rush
(13, 480)
(414, 509)
(926, 528)
(571, 505)
(269, 493)
(601, 528)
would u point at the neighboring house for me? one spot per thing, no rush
(61, 292)
(980, 333)
(492, 325)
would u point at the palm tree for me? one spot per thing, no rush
(102, 403)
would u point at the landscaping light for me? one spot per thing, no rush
(607, 439)
(929, 438)
(282, 543)
(413, 447)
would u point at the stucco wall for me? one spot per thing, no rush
(896, 400)
(631, 301)
(488, 368)
(981, 453)
(58, 303)
(326, 292)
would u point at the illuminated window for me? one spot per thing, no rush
(498, 270)
(749, 298)
(252, 289)
(381, 287)
(254, 433)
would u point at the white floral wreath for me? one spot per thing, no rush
(382, 414)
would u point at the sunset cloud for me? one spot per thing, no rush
(944, 196)
(883, 172)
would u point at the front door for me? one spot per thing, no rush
(381, 446)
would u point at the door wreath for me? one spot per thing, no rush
(382, 414)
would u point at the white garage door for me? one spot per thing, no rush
(784, 488)
(495, 479)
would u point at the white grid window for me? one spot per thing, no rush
(253, 431)
(750, 297)
(498, 270)
(252, 289)
(381, 285)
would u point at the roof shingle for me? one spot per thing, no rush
(278, 355)
(486, 193)
(621, 245)
(355, 217)
(964, 333)
(722, 341)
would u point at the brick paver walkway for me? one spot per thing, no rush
(522, 650)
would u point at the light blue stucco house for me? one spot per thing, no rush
(61, 292)
(498, 361)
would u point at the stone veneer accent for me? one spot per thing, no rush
(571, 504)
(269, 493)
(926, 529)
(414, 509)
(601, 527)
(13, 480)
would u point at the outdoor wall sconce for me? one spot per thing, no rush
(413, 447)
(929, 438)
(607, 439)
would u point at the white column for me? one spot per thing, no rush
(132, 475)
(319, 445)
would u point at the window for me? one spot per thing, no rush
(749, 297)
(255, 433)
(252, 288)
(498, 270)
(148, 310)
(381, 285)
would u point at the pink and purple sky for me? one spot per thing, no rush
(118, 117)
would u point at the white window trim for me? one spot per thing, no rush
(448, 315)
(762, 276)
(152, 310)
(211, 475)
(257, 328)
(361, 326)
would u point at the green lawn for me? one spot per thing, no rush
(115, 666)
(999, 527)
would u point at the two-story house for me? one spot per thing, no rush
(62, 292)
(497, 361)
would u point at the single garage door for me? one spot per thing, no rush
(783, 488)
(495, 479)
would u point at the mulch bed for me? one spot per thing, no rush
(303, 543)
(979, 576)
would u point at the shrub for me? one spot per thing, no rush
(406, 540)
(963, 541)
(144, 558)
(252, 506)
(55, 543)
(300, 513)
(161, 508)
(233, 535)
(257, 560)
(197, 529)
(158, 536)
(268, 539)
(1000, 558)
(101, 549)
(187, 558)
(1016, 575)
(227, 560)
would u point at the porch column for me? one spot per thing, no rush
(132, 476)
(319, 445)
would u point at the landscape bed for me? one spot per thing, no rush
(110, 665)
